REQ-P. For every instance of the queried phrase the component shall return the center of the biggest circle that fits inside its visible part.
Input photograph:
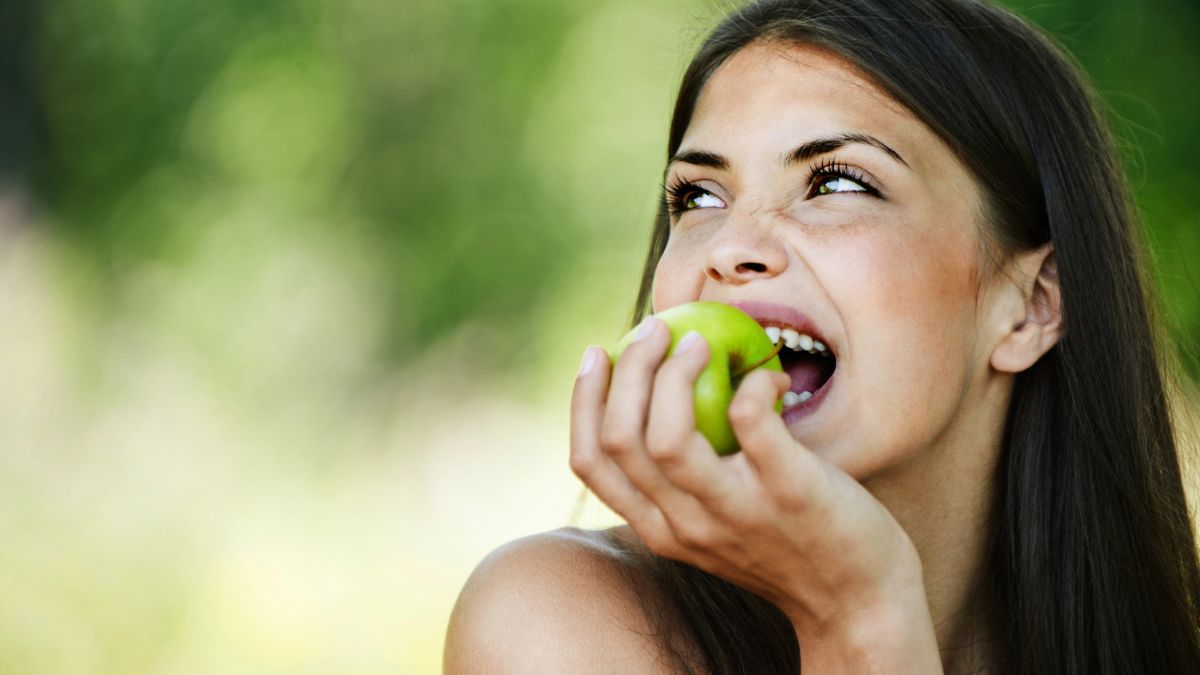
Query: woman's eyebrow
(700, 158)
(813, 148)
(822, 146)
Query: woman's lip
(771, 314)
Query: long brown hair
(1092, 564)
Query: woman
(984, 478)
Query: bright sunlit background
(292, 294)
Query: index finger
(596, 469)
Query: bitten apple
(738, 345)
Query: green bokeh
(457, 142)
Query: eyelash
(677, 192)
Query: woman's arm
(551, 603)
(774, 519)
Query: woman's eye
(702, 200)
(684, 197)
(835, 184)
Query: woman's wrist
(887, 629)
(891, 639)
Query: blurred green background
(293, 292)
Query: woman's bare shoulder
(566, 601)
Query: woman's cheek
(679, 275)
(909, 312)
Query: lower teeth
(791, 398)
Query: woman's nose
(745, 252)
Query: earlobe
(1034, 324)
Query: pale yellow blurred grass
(172, 501)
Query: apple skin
(735, 341)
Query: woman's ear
(1033, 322)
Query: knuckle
(660, 543)
(617, 440)
(693, 535)
(582, 464)
(663, 447)
(742, 412)
(747, 524)
(792, 501)
(796, 500)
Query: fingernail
(590, 357)
(690, 340)
(646, 327)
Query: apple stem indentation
(768, 357)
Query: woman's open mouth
(808, 357)
(809, 362)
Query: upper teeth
(796, 341)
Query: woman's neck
(945, 501)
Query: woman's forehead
(790, 90)
(770, 96)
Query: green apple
(738, 345)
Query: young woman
(984, 478)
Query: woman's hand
(774, 519)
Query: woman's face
(809, 197)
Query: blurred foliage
(406, 128)
(455, 141)
(293, 287)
